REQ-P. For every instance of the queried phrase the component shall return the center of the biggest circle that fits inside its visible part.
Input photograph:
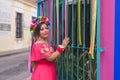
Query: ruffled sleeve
(41, 51)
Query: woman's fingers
(66, 39)
(65, 42)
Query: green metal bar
(84, 27)
(62, 38)
(98, 40)
(72, 39)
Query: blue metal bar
(84, 26)
(72, 39)
(78, 64)
(62, 38)
(66, 64)
(62, 19)
(51, 16)
(90, 37)
(38, 8)
(98, 40)
(66, 35)
(38, 1)
(58, 40)
(90, 58)
(54, 23)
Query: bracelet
(60, 48)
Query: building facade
(16, 15)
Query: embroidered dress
(44, 70)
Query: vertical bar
(78, 62)
(98, 40)
(57, 18)
(62, 19)
(67, 17)
(84, 27)
(41, 10)
(57, 13)
(48, 8)
(54, 24)
(79, 35)
(44, 8)
(66, 64)
(90, 58)
(38, 8)
(51, 16)
(72, 39)
(62, 38)
(48, 15)
(79, 22)
(66, 9)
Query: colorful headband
(36, 21)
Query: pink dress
(44, 70)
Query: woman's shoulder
(40, 43)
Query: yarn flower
(36, 21)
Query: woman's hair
(36, 34)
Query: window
(19, 25)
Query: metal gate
(80, 21)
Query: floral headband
(36, 21)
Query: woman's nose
(46, 29)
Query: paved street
(14, 67)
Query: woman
(43, 55)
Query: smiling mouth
(46, 34)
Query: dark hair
(36, 34)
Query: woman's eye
(46, 28)
(42, 29)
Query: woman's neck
(42, 40)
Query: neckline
(41, 43)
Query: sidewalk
(12, 52)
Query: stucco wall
(107, 39)
(8, 40)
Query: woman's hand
(65, 42)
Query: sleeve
(40, 52)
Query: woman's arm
(33, 65)
(51, 58)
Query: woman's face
(44, 31)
